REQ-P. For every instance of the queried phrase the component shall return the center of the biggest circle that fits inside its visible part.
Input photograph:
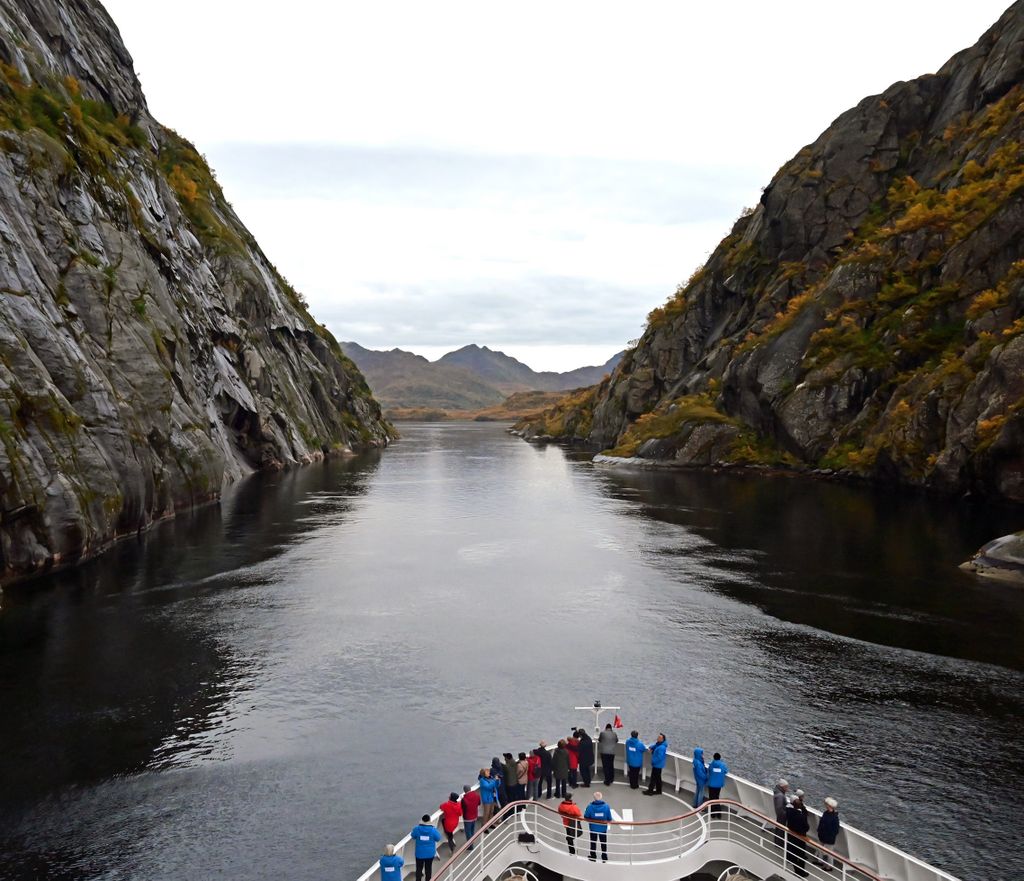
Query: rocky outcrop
(149, 351)
(1002, 559)
(867, 317)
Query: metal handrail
(707, 807)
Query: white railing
(667, 848)
(863, 856)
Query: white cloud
(534, 174)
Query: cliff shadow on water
(885, 569)
(134, 673)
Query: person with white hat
(828, 831)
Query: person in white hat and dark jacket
(828, 832)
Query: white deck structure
(662, 838)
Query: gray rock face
(149, 352)
(867, 317)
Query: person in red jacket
(470, 810)
(451, 813)
(573, 745)
(533, 781)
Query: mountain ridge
(866, 318)
(469, 379)
(150, 353)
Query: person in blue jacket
(659, 755)
(717, 772)
(700, 776)
(391, 865)
(426, 836)
(488, 797)
(598, 809)
(635, 749)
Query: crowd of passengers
(570, 765)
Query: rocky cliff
(149, 351)
(867, 317)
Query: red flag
(618, 722)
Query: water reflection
(111, 669)
(871, 565)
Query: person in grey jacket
(780, 798)
(607, 741)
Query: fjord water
(277, 686)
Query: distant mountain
(469, 379)
(506, 373)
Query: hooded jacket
(573, 745)
(796, 819)
(511, 775)
(598, 810)
(586, 749)
(545, 760)
(426, 838)
(560, 763)
(391, 868)
(571, 813)
(471, 805)
(828, 827)
(700, 770)
(488, 790)
(659, 754)
(635, 749)
(451, 813)
(607, 740)
(716, 774)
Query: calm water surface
(276, 687)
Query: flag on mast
(618, 722)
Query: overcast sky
(532, 176)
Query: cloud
(447, 249)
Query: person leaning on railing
(606, 744)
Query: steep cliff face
(149, 351)
(868, 315)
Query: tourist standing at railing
(571, 815)
(522, 776)
(598, 809)
(545, 768)
(426, 837)
(470, 810)
(511, 772)
(796, 820)
(391, 865)
(635, 749)
(560, 767)
(586, 753)
(828, 831)
(780, 799)
(451, 814)
(533, 776)
(488, 795)
(572, 744)
(498, 775)
(717, 772)
(607, 742)
(700, 777)
(544, 754)
(659, 755)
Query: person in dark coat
(828, 832)
(511, 772)
(545, 768)
(560, 767)
(780, 800)
(498, 773)
(586, 758)
(797, 821)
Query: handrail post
(632, 831)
